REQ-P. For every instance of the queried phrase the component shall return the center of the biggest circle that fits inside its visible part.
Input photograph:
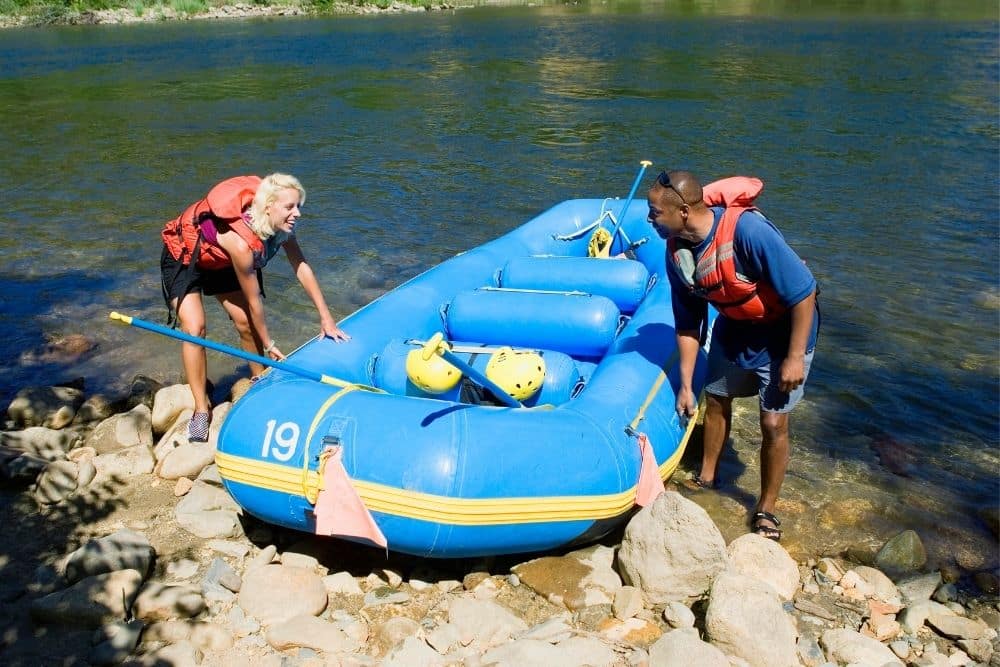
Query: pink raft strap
(650, 484)
(339, 509)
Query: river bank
(122, 540)
(61, 15)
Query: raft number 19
(280, 440)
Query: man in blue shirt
(723, 251)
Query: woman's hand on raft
(331, 330)
(276, 354)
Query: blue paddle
(436, 345)
(643, 165)
(232, 351)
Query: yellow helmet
(433, 374)
(519, 373)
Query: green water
(874, 126)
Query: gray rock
(41, 442)
(342, 583)
(847, 646)
(810, 653)
(945, 593)
(122, 550)
(16, 465)
(412, 651)
(57, 482)
(115, 642)
(237, 550)
(484, 623)
(912, 618)
(188, 459)
(552, 630)
(181, 654)
(445, 636)
(307, 631)
(142, 391)
(241, 624)
(919, 588)
(276, 593)
(185, 568)
(671, 550)
(678, 615)
(91, 602)
(628, 602)
(881, 585)
(685, 648)
(220, 573)
(766, 560)
(956, 627)
(395, 631)
(385, 595)
(980, 650)
(52, 407)
(122, 431)
(208, 512)
(168, 403)
(160, 602)
(124, 463)
(902, 554)
(745, 618)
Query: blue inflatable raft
(449, 474)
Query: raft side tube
(577, 324)
(624, 281)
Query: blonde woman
(218, 247)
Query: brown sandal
(696, 483)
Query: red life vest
(224, 204)
(715, 277)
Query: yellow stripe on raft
(443, 509)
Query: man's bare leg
(774, 456)
(718, 420)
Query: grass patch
(188, 6)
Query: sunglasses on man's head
(664, 180)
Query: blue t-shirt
(762, 255)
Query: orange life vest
(715, 277)
(224, 204)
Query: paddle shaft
(226, 349)
(635, 186)
(481, 378)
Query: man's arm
(793, 367)
(688, 344)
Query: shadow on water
(33, 357)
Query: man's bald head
(682, 187)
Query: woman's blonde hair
(267, 194)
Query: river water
(419, 136)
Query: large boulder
(745, 618)
(671, 550)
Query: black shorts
(180, 279)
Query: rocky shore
(238, 10)
(122, 547)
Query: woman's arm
(306, 277)
(242, 260)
